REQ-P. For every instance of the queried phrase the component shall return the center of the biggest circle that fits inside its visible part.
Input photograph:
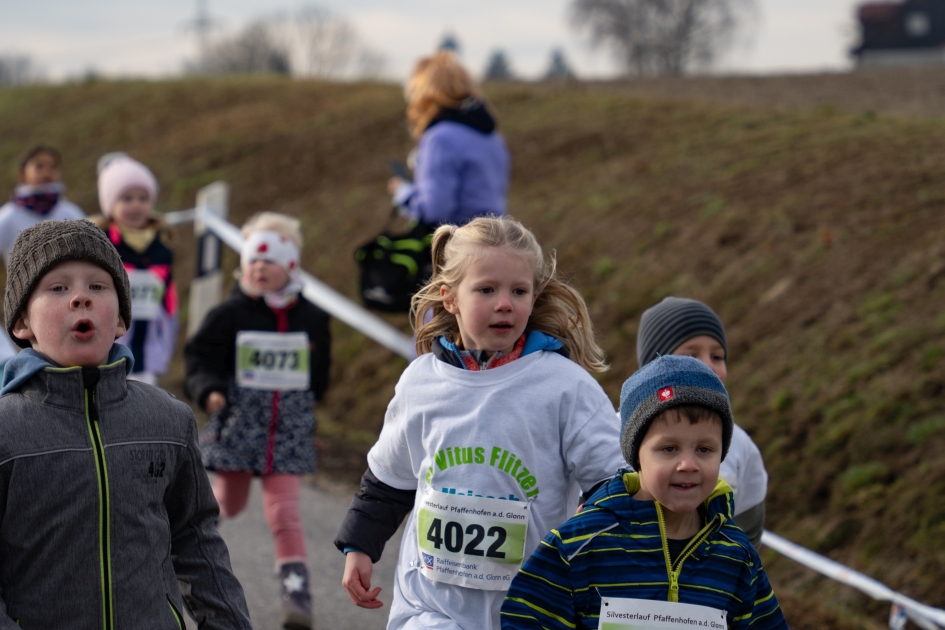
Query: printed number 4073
(451, 536)
(280, 359)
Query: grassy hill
(817, 234)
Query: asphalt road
(251, 553)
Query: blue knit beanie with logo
(671, 323)
(669, 381)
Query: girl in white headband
(257, 365)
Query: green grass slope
(818, 236)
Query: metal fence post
(206, 289)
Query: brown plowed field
(908, 91)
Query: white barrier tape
(180, 216)
(925, 617)
(329, 300)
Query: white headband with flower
(272, 247)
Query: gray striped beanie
(41, 247)
(671, 323)
(668, 382)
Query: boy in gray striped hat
(681, 326)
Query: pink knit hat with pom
(122, 174)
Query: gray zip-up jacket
(106, 514)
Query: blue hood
(28, 362)
(537, 341)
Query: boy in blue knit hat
(658, 545)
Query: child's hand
(357, 580)
(393, 184)
(215, 402)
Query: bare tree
(661, 37)
(325, 45)
(17, 70)
(309, 42)
(329, 44)
(256, 49)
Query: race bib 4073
(269, 360)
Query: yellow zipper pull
(674, 586)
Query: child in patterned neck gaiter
(38, 196)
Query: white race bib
(147, 293)
(471, 541)
(617, 613)
(270, 360)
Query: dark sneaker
(296, 598)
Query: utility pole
(202, 24)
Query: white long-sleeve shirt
(542, 417)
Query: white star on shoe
(294, 583)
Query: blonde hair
(437, 83)
(559, 309)
(282, 224)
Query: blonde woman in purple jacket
(462, 165)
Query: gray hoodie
(106, 513)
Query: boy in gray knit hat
(649, 541)
(690, 328)
(107, 516)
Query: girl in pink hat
(126, 191)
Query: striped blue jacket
(616, 547)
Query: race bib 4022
(471, 541)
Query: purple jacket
(461, 173)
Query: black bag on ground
(394, 266)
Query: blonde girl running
(491, 434)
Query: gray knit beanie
(668, 382)
(671, 323)
(43, 246)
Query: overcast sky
(147, 38)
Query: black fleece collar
(472, 113)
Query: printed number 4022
(451, 536)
